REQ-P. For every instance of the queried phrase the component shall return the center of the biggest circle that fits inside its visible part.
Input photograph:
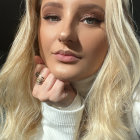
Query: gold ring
(37, 74)
(39, 79)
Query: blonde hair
(112, 90)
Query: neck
(83, 86)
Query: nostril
(65, 40)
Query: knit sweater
(63, 124)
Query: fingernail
(45, 70)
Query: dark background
(10, 13)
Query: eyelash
(85, 20)
(50, 17)
(92, 19)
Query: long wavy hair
(112, 91)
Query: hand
(53, 91)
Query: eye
(91, 20)
(52, 18)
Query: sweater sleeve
(61, 123)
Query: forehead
(74, 3)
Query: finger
(38, 69)
(39, 63)
(49, 82)
(39, 66)
(42, 77)
(56, 91)
(63, 96)
(38, 88)
(42, 91)
(38, 60)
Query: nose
(68, 33)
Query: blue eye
(52, 18)
(90, 21)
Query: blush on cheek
(42, 55)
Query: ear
(38, 60)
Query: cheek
(46, 39)
(95, 47)
(94, 42)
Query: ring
(37, 74)
(40, 79)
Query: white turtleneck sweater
(63, 124)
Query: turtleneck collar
(83, 86)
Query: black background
(10, 13)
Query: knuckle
(60, 83)
(52, 99)
(51, 75)
(36, 92)
(42, 99)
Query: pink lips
(66, 56)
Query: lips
(66, 56)
(67, 53)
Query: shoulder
(136, 95)
(136, 108)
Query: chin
(64, 74)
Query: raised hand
(49, 89)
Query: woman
(72, 73)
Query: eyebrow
(82, 7)
(91, 6)
(52, 4)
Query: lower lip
(66, 58)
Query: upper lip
(67, 53)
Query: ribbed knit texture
(61, 125)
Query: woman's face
(72, 37)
